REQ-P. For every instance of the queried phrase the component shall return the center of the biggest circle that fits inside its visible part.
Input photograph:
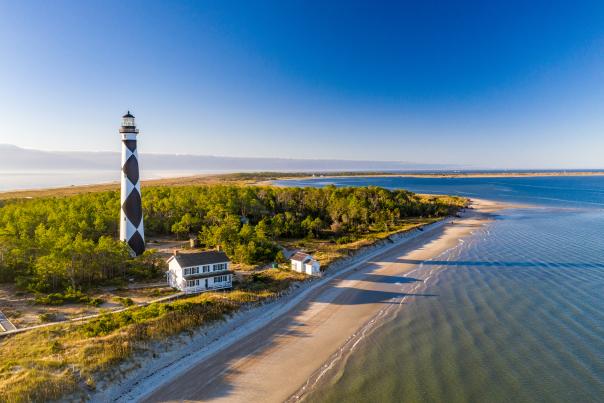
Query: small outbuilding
(305, 263)
(199, 272)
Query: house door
(206, 283)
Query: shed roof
(301, 257)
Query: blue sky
(483, 84)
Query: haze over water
(514, 314)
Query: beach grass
(69, 359)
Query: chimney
(175, 252)
(218, 248)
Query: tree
(50, 243)
(183, 227)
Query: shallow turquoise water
(515, 314)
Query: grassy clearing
(69, 359)
(26, 309)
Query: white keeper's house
(199, 272)
(305, 263)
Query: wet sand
(276, 361)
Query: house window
(205, 268)
(191, 270)
(220, 267)
(193, 283)
(221, 279)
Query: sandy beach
(274, 356)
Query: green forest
(54, 243)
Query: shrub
(47, 317)
(50, 299)
(280, 257)
(346, 239)
(96, 302)
(125, 301)
(70, 296)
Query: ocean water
(515, 312)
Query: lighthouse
(131, 217)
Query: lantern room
(128, 120)
(128, 124)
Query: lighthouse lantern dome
(128, 120)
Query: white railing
(198, 289)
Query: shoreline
(258, 350)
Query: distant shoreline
(511, 174)
(267, 179)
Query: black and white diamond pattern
(130, 168)
(131, 144)
(131, 226)
(137, 243)
(132, 208)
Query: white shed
(305, 263)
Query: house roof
(200, 258)
(301, 257)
